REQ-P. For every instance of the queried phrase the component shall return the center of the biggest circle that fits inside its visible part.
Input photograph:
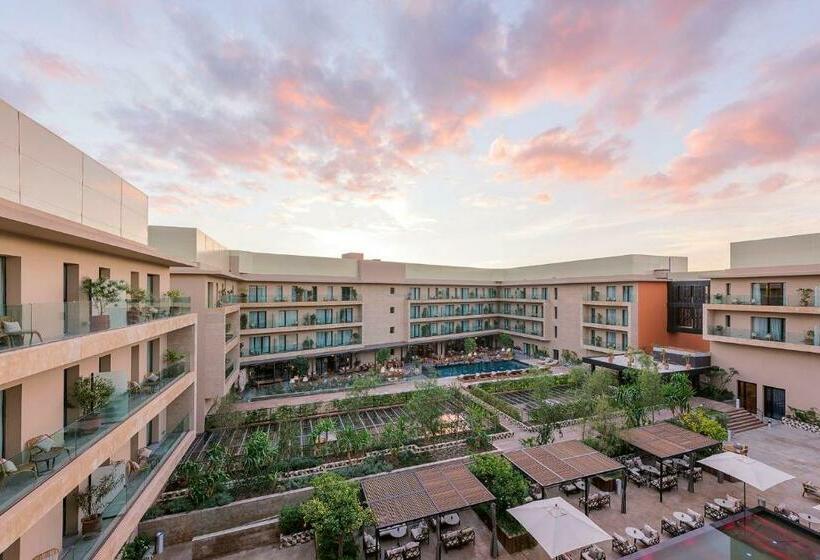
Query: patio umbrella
(751, 471)
(557, 526)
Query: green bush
(291, 520)
(502, 480)
(496, 402)
(699, 421)
(135, 549)
(809, 416)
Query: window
(685, 318)
(392, 330)
(348, 294)
(257, 319)
(392, 290)
(3, 424)
(610, 339)
(287, 318)
(259, 345)
(257, 294)
(135, 280)
(555, 293)
(555, 331)
(555, 312)
(728, 321)
(346, 315)
(624, 317)
(392, 309)
(610, 293)
(104, 274)
(415, 293)
(728, 288)
(769, 328)
(2, 285)
(767, 293)
(153, 286)
(104, 363)
(627, 292)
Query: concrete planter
(286, 541)
(798, 425)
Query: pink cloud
(176, 199)
(558, 151)
(53, 65)
(542, 198)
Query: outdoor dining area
(416, 506)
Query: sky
(462, 132)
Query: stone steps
(740, 420)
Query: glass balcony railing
(809, 337)
(604, 299)
(229, 336)
(119, 501)
(307, 297)
(37, 323)
(35, 466)
(745, 299)
(605, 321)
(229, 369)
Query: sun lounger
(787, 513)
(592, 552)
(697, 519)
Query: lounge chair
(412, 550)
(738, 503)
(394, 553)
(569, 488)
(450, 540)
(622, 546)
(592, 552)
(714, 511)
(665, 483)
(370, 546)
(787, 513)
(810, 489)
(50, 554)
(635, 475)
(466, 536)
(738, 448)
(697, 519)
(651, 536)
(12, 334)
(10, 469)
(421, 532)
(43, 444)
(670, 528)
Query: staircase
(740, 420)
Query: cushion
(153, 378)
(11, 327)
(7, 466)
(44, 444)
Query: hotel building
(65, 219)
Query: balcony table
(682, 517)
(635, 534)
(46, 459)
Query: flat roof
(560, 462)
(664, 440)
(405, 496)
(619, 363)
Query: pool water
(479, 367)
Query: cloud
(542, 198)
(558, 151)
(485, 201)
(53, 65)
(176, 199)
(770, 125)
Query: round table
(682, 517)
(635, 533)
(45, 458)
(809, 518)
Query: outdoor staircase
(741, 420)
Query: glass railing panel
(128, 488)
(37, 323)
(809, 337)
(811, 299)
(37, 463)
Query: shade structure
(560, 462)
(665, 440)
(557, 526)
(751, 471)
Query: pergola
(665, 440)
(416, 494)
(620, 363)
(565, 461)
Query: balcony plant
(102, 293)
(718, 298)
(599, 341)
(90, 395)
(718, 329)
(91, 502)
(307, 344)
(136, 299)
(809, 336)
(175, 296)
(243, 321)
(806, 296)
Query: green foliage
(208, 479)
(321, 430)
(360, 390)
(291, 520)
(569, 357)
(91, 501)
(717, 383)
(479, 422)
(225, 414)
(260, 455)
(470, 345)
(499, 476)
(351, 440)
(630, 399)
(678, 392)
(505, 340)
(650, 385)
(92, 393)
(605, 422)
(382, 355)
(335, 512)
(425, 407)
(172, 356)
(286, 433)
(136, 549)
(699, 421)
(397, 434)
(299, 366)
(496, 402)
(809, 416)
(103, 292)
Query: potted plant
(718, 298)
(91, 503)
(599, 341)
(91, 394)
(307, 343)
(175, 296)
(243, 321)
(356, 338)
(718, 329)
(806, 295)
(136, 297)
(102, 293)
(810, 336)
(172, 358)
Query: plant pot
(132, 316)
(91, 524)
(90, 424)
(100, 323)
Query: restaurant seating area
(596, 500)
(458, 538)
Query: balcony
(40, 323)
(603, 321)
(307, 297)
(130, 489)
(601, 299)
(810, 303)
(296, 347)
(807, 341)
(82, 434)
(229, 369)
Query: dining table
(682, 517)
(635, 534)
(450, 519)
(725, 504)
(651, 470)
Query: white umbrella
(751, 471)
(557, 526)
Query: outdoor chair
(12, 334)
(466, 536)
(738, 503)
(412, 550)
(651, 536)
(592, 552)
(738, 448)
(569, 488)
(622, 546)
(635, 475)
(10, 470)
(370, 546)
(787, 513)
(670, 528)
(394, 553)
(714, 511)
(810, 489)
(450, 540)
(697, 519)
(421, 532)
(665, 483)
(43, 444)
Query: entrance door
(747, 393)
(71, 298)
(774, 402)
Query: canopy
(751, 471)
(557, 526)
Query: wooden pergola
(412, 495)
(566, 461)
(665, 440)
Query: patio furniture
(596, 500)
(622, 546)
(811, 490)
(450, 519)
(634, 533)
(467, 536)
(580, 484)
(714, 511)
(592, 552)
(12, 334)
(728, 506)
(739, 448)
(50, 554)
(787, 513)
(670, 528)
(665, 483)
(396, 532)
(370, 546)
(412, 550)
(635, 476)
(569, 488)
(421, 532)
(651, 470)
(43, 445)
(682, 517)
(458, 538)
(394, 553)
(696, 519)
(10, 470)
(651, 536)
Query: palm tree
(321, 431)
(352, 440)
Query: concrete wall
(41, 170)
(776, 251)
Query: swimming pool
(479, 367)
(757, 535)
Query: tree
(650, 385)
(321, 431)
(504, 482)
(334, 511)
(425, 407)
(359, 391)
(630, 399)
(542, 387)
(206, 480)
(470, 345)
(260, 455)
(397, 434)
(382, 356)
(678, 392)
(505, 340)
(103, 292)
(351, 440)
(287, 432)
(479, 421)
(300, 366)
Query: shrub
(699, 421)
(502, 480)
(291, 520)
(496, 402)
(136, 549)
(809, 416)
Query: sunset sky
(459, 132)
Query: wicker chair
(697, 519)
(592, 552)
(714, 511)
(622, 546)
(651, 536)
(671, 528)
(636, 476)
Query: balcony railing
(229, 369)
(783, 301)
(295, 346)
(605, 321)
(131, 487)
(83, 433)
(37, 323)
(809, 337)
(604, 299)
(229, 336)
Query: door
(71, 299)
(747, 393)
(774, 402)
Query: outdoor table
(579, 484)
(809, 518)
(650, 469)
(397, 532)
(635, 533)
(46, 459)
(725, 504)
(682, 517)
(451, 519)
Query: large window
(259, 345)
(628, 293)
(769, 328)
(346, 315)
(257, 294)
(324, 316)
(287, 318)
(767, 293)
(257, 319)
(611, 293)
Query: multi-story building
(86, 399)
(763, 320)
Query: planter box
(511, 543)
(607, 484)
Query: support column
(623, 488)
(494, 543)
(660, 480)
(438, 532)
(586, 496)
(692, 472)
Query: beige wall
(41, 170)
(776, 251)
